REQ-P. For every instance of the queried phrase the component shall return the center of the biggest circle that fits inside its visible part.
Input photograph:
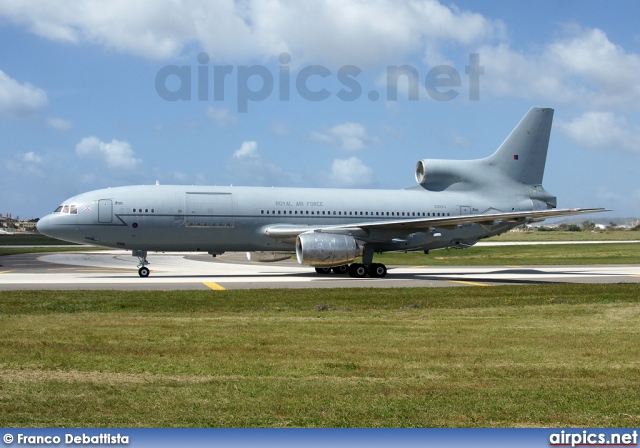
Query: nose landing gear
(143, 270)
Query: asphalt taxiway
(95, 270)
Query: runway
(116, 270)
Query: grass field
(612, 253)
(557, 235)
(30, 239)
(561, 254)
(543, 355)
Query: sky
(338, 94)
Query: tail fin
(523, 154)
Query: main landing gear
(357, 270)
(143, 270)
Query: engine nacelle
(268, 257)
(326, 250)
(440, 172)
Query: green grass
(33, 250)
(30, 239)
(563, 235)
(567, 254)
(545, 355)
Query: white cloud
(117, 154)
(20, 100)
(347, 136)
(459, 141)
(152, 29)
(180, 177)
(603, 130)
(249, 167)
(279, 129)
(247, 149)
(222, 117)
(350, 173)
(583, 68)
(59, 124)
(359, 33)
(605, 194)
(28, 164)
(590, 56)
(362, 33)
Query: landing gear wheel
(143, 271)
(377, 270)
(341, 269)
(357, 270)
(323, 271)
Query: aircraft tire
(377, 270)
(341, 269)
(323, 271)
(143, 272)
(357, 270)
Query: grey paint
(455, 204)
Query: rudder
(523, 154)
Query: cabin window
(73, 209)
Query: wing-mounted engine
(326, 249)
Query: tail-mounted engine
(434, 174)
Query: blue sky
(80, 108)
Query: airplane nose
(44, 225)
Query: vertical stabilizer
(523, 154)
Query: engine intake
(326, 250)
(440, 172)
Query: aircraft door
(105, 211)
(209, 209)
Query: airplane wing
(283, 232)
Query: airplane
(455, 204)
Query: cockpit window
(67, 209)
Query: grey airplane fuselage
(456, 203)
(219, 219)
